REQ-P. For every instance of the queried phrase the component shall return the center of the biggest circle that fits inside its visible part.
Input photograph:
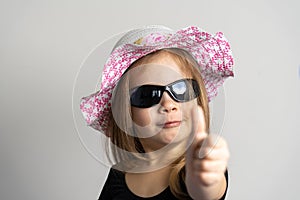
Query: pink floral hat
(212, 52)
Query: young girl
(153, 105)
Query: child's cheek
(141, 116)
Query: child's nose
(167, 104)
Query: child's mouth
(171, 124)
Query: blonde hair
(118, 137)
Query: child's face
(168, 121)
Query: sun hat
(212, 53)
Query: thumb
(198, 133)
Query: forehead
(154, 73)
(160, 69)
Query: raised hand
(206, 162)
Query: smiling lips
(171, 124)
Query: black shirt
(115, 188)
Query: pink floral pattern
(213, 54)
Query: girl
(153, 105)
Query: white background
(43, 43)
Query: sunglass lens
(185, 90)
(146, 96)
(179, 90)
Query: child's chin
(167, 141)
(170, 138)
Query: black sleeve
(114, 186)
(105, 193)
(224, 195)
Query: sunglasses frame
(191, 82)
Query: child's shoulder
(116, 174)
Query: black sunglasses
(146, 96)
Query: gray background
(43, 44)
